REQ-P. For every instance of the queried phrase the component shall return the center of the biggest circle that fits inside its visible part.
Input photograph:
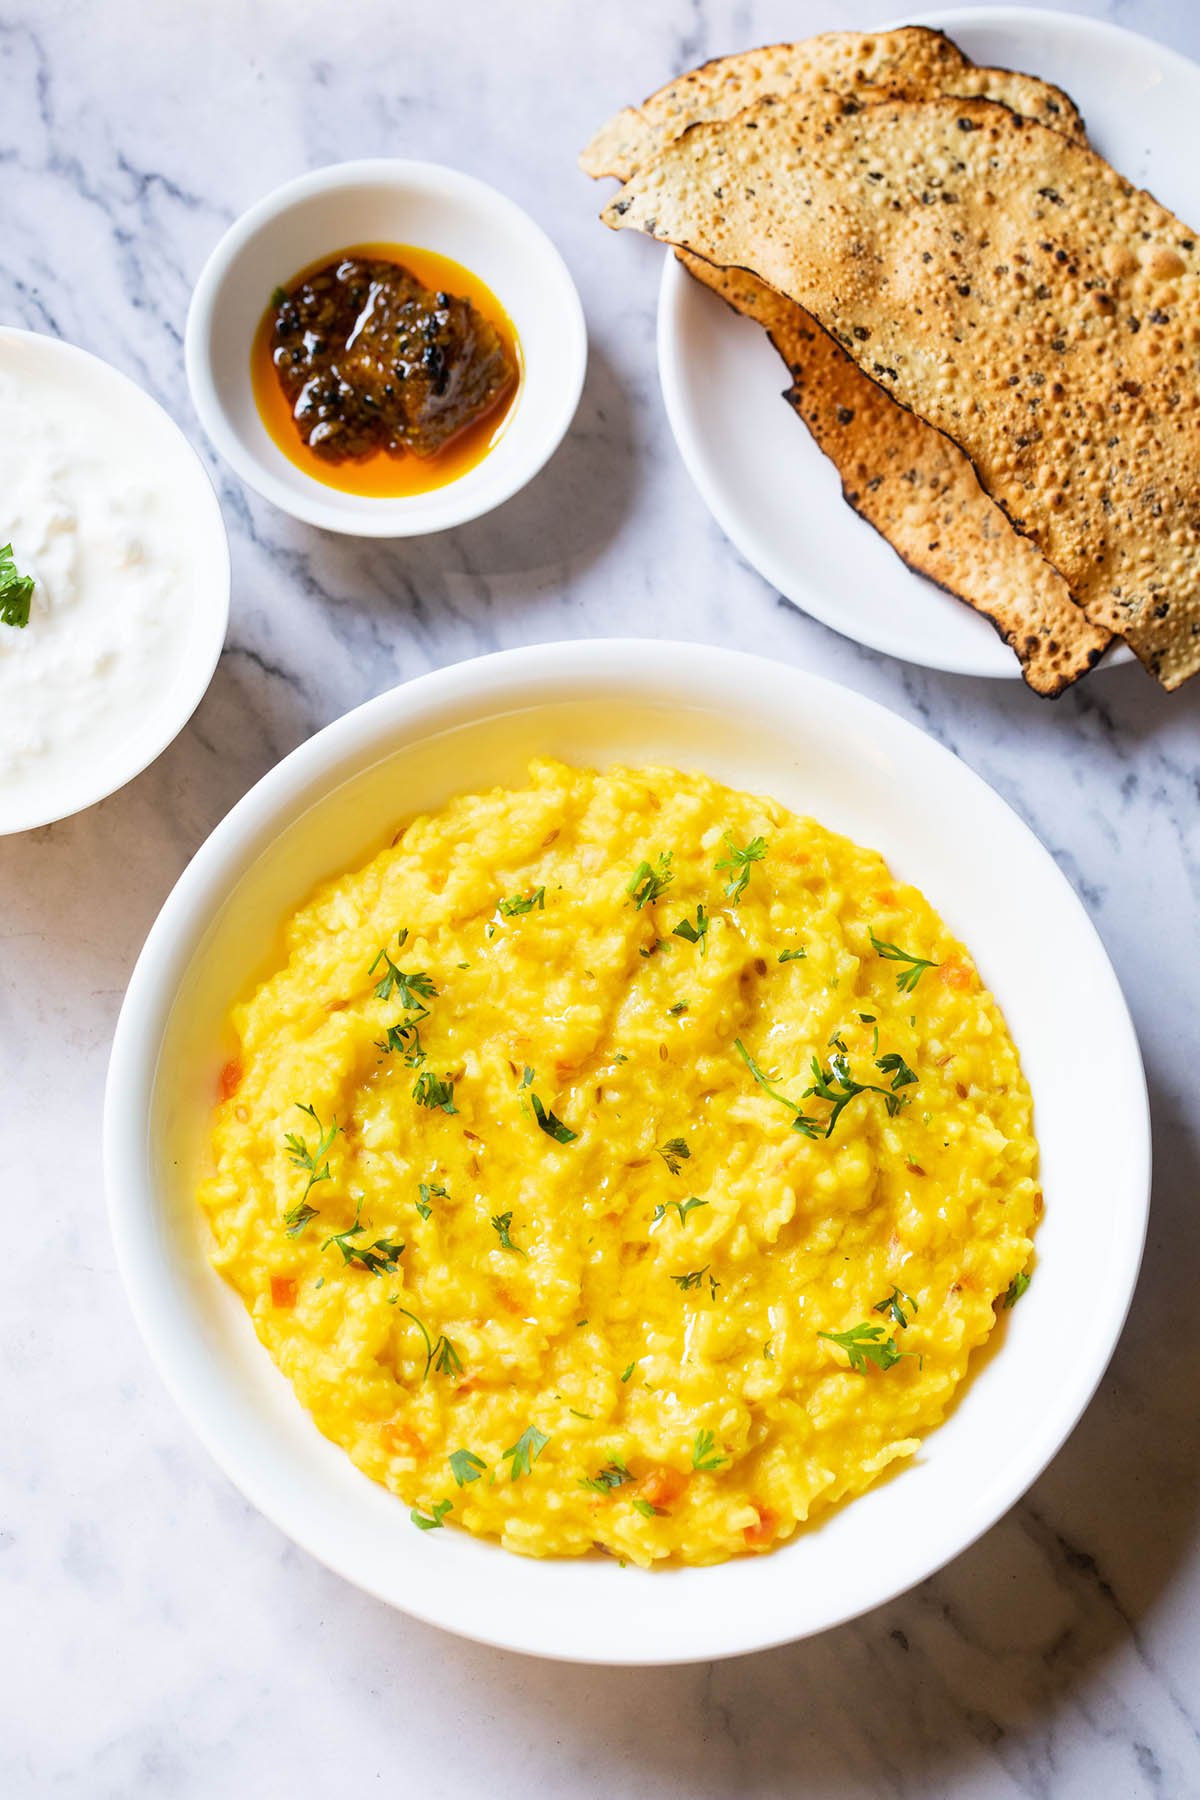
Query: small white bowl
(762, 727)
(398, 202)
(114, 422)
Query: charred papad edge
(1036, 678)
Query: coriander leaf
(894, 1306)
(800, 1120)
(694, 933)
(434, 1091)
(894, 1064)
(837, 1085)
(378, 1258)
(16, 591)
(673, 1152)
(433, 1520)
(648, 884)
(446, 1360)
(465, 1466)
(551, 1124)
(694, 1279)
(679, 1007)
(429, 1191)
(629, 1371)
(647, 1510)
(406, 1039)
(523, 903)
(441, 1356)
(702, 1452)
(298, 1216)
(501, 1224)
(682, 1207)
(395, 980)
(792, 955)
(737, 865)
(1015, 1289)
(314, 1162)
(525, 1452)
(908, 978)
(865, 1344)
(614, 1474)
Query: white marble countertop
(160, 1638)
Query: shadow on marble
(568, 516)
(963, 1675)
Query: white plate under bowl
(762, 727)
(763, 478)
(386, 200)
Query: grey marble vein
(160, 1639)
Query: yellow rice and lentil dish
(622, 1162)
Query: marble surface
(161, 1639)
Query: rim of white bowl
(238, 840)
(401, 516)
(212, 600)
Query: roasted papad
(914, 57)
(1006, 285)
(919, 491)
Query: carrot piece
(661, 1486)
(231, 1078)
(764, 1531)
(398, 1437)
(283, 1290)
(955, 974)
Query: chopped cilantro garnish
(614, 1474)
(430, 1191)
(434, 1091)
(696, 933)
(629, 1371)
(800, 1119)
(865, 1344)
(440, 1356)
(737, 865)
(16, 591)
(837, 1085)
(314, 1162)
(893, 1064)
(647, 1510)
(682, 1207)
(406, 1040)
(525, 1452)
(792, 955)
(908, 978)
(500, 1225)
(413, 990)
(431, 1521)
(550, 1123)
(298, 1216)
(894, 1306)
(1015, 1289)
(702, 1452)
(673, 1152)
(465, 1466)
(523, 903)
(379, 1258)
(694, 1279)
(647, 883)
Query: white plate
(115, 422)
(387, 200)
(762, 727)
(766, 483)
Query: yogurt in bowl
(109, 513)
